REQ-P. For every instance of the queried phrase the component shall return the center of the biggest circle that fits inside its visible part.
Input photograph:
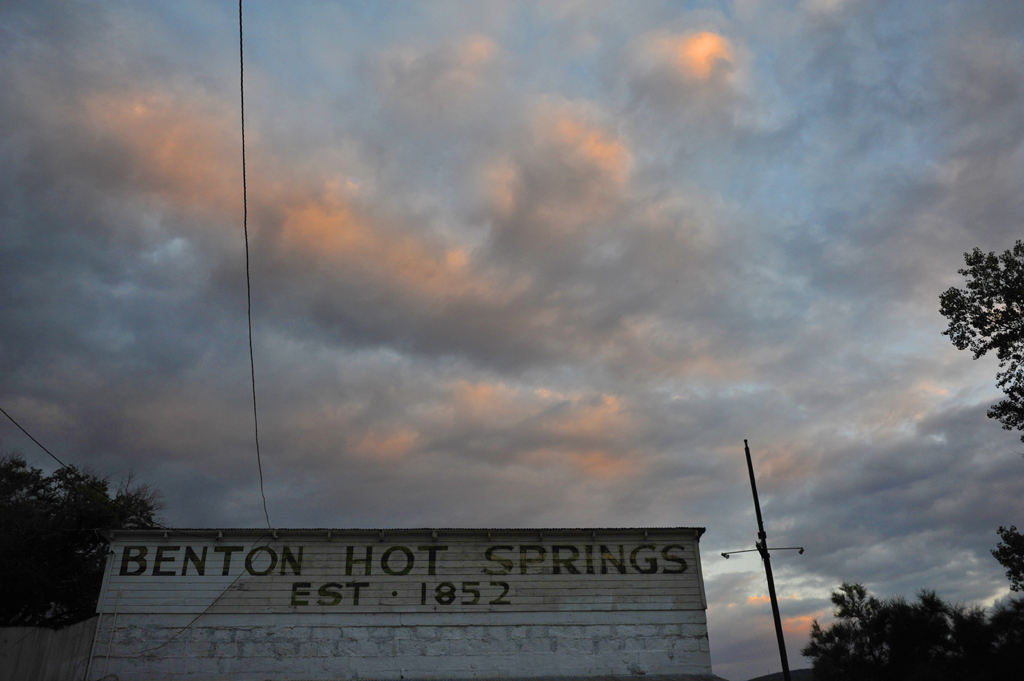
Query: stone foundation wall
(409, 645)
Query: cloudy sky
(527, 264)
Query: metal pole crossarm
(799, 549)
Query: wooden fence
(46, 654)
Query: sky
(521, 264)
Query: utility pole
(762, 548)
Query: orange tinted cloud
(572, 431)
(696, 55)
(701, 53)
(493, 401)
(334, 234)
(568, 171)
(787, 463)
(468, 66)
(482, 395)
(501, 180)
(387, 445)
(590, 463)
(477, 50)
(189, 152)
(490, 404)
(606, 418)
(599, 464)
(761, 600)
(587, 144)
(800, 625)
(582, 417)
(332, 231)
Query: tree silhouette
(988, 314)
(53, 555)
(1010, 554)
(893, 639)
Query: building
(394, 604)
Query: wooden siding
(660, 570)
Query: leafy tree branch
(53, 558)
(987, 315)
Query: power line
(248, 289)
(11, 418)
(117, 501)
(248, 285)
(205, 610)
(83, 478)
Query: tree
(988, 314)
(892, 639)
(53, 555)
(1010, 554)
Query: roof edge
(380, 533)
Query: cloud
(700, 73)
(185, 147)
(569, 173)
(537, 267)
(331, 234)
(442, 82)
(557, 197)
(693, 57)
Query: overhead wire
(118, 502)
(206, 609)
(11, 419)
(84, 479)
(248, 288)
(248, 284)
(252, 363)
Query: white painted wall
(162, 624)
